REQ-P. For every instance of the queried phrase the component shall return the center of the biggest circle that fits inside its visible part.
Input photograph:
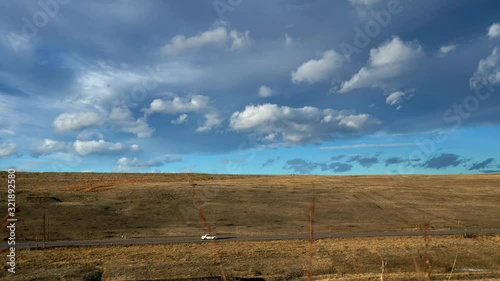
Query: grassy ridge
(100, 206)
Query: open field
(333, 259)
(88, 206)
(98, 206)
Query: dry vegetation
(100, 206)
(333, 259)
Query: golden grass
(160, 205)
(333, 259)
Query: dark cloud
(270, 161)
(481, 165)
(337, 157)
(394, 160)
(398, 160)
(365, 161)
(172, 159)
(490, 171)
(300, 166)
(336, 167)
(443, 161)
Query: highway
(144, 241)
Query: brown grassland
(99, 206)
(333, 259)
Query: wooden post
(43, 233)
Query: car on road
(208, 237)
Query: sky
(320, 87)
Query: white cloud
(444, 50)
(48, 146)
(240, 40)
(212, 120)
(179, 43)
(7, 149)
(488, 71)
(390, 60)
(217, 36)
(181, 119)
(103, 86)
(120, 113)
(123, 118)
(6, 131)
(133, 164)
(265, 91)
(298, 125)
(494, 30)
(395, 98)
(68, 122)
(316, 70)
(113, 92)
(394, 52)
(288, 40)
(90, 135)
(98, 147)
(354, 121)
(195, 103)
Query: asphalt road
(142, 241)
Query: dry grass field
(99, 206)
(333, 259)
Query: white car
(208, 237)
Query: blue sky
(251, 87)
